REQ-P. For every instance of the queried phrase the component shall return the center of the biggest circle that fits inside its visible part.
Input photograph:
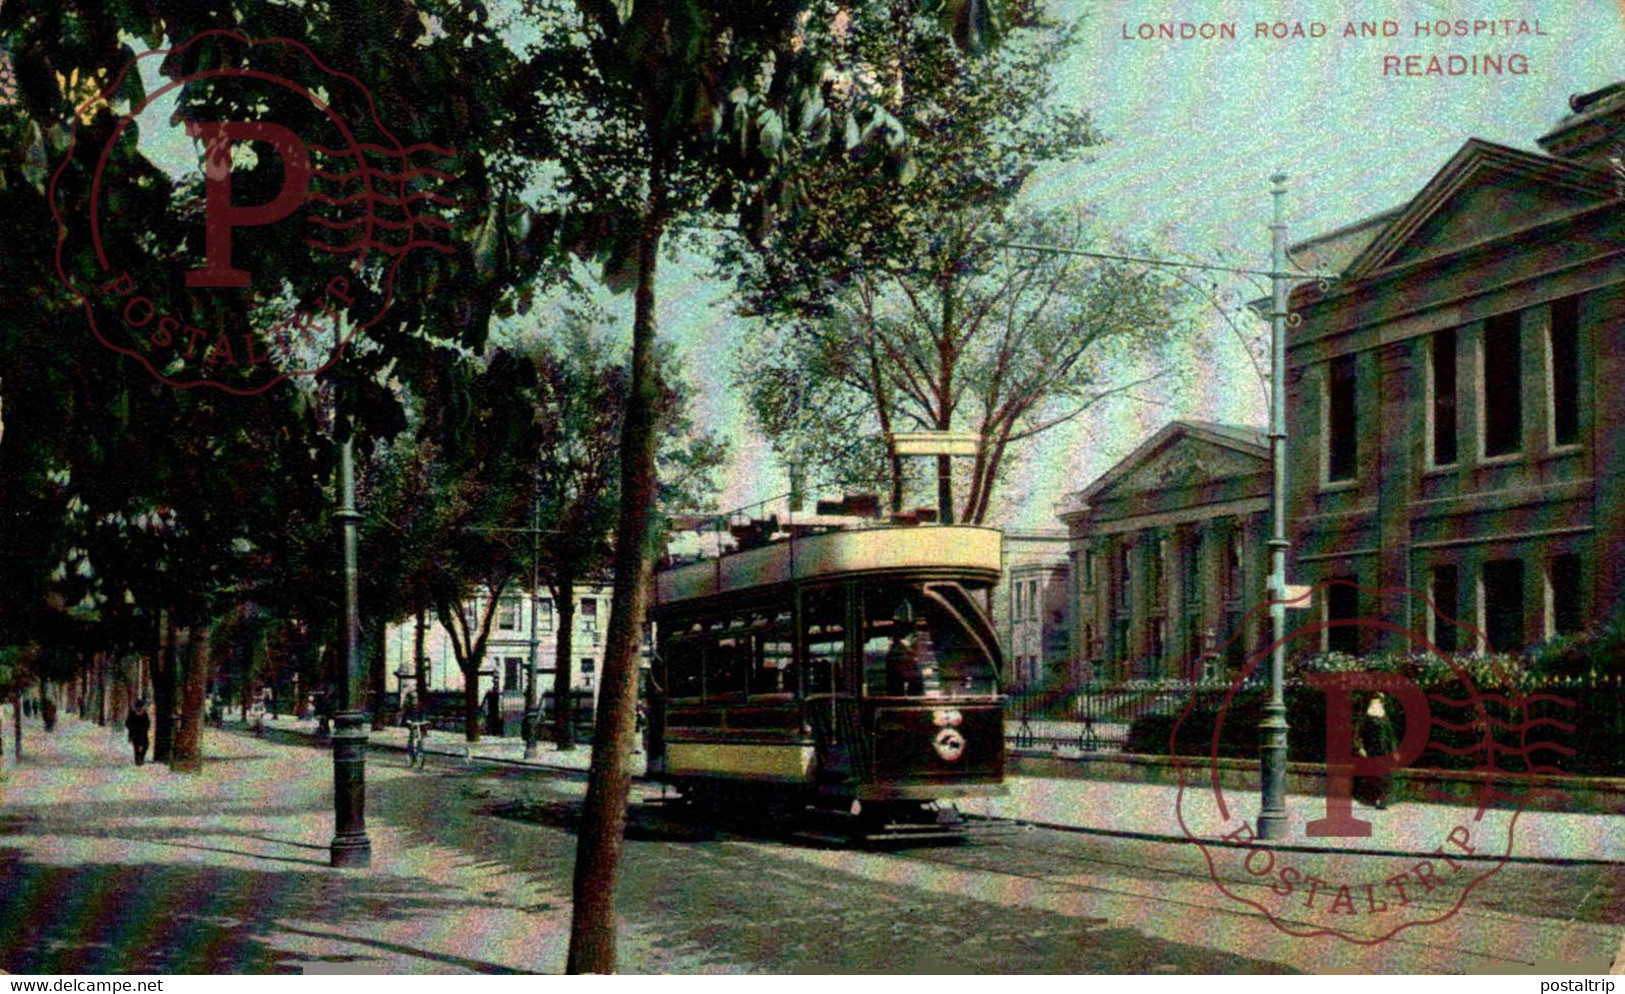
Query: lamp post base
(530, 725)
(1272, 815)
(350, 846)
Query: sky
(1197, 128)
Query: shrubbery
(1584, 669)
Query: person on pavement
(138, 725)
(1376, 737)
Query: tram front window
(914, 646)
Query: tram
(846, 669)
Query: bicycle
(417, 757)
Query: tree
(975, 335)
(482, 476)
(896, 313)
(670, 113)
(583, 396)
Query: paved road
(108, 868)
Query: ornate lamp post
(1272, 817)
(533, 695)
(350, 846)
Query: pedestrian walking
(1375, 737)
(138, 725)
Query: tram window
(914, 645)
(876, 645)
(773, 674)
(898, 660)
(726, 663)
(826, 644)
(683, 667)
(824, 615)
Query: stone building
(1031, 610)
(1451, 430)
(1168, 548)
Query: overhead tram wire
(1170, 263)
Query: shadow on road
(159, 918)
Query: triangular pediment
(1483, 193)
(1180, 456)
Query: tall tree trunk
(163, 690)
(47, 706)
(564, 595)
(187, 754)
(17, 725)
(603, 816)
(472, 713)
(421, 661)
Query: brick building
(1451, 425)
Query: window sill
(1333, 486)
(1569, 449)
(1441, 470)
(1504, 459)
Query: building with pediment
(1451, 434)
(1168, 555)
(1451, 430)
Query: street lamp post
(350, 846)
(533, 695)
(1272, 816)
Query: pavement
(105, 868)
(1166, 812)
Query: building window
(586, 664)
(1503, 386)
(589, 614)
(1235, 643)
(1125, 575)
(1563, 604)
(1443, 363)
(1032, 599)
(1501, 591)
(513, 668)
(1565, 361)
(1088, 569)
(544, 614)
(1157, 637)
(1342, 603)
(508, 615)
(1342, 442)
(1015, 612)
(1088, 642)
(1443, 591)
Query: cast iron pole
(533, 694)
(1272, 818)
(350, 845)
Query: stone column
(1401, 452)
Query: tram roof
(967, 553)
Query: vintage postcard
(810, 487)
